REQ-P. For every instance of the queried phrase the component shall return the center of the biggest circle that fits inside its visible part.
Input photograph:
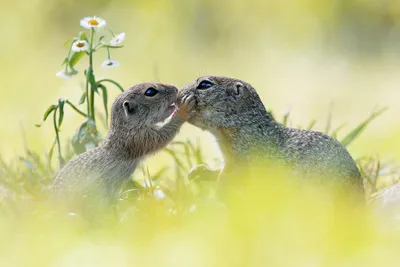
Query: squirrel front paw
(186, 107)
(203, 173)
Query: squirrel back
(233, 112)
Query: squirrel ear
(237, 89)
(129, 107)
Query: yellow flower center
(80, 44)
(93, 22)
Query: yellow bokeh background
(309, 56)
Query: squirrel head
(143, 104)
(223, 102)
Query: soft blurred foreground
(272, 221)
(164, 219)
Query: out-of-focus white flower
(158, 194)
(93, 22)
(80, 45)
(110, 63)
(64, 75)
(118, 39)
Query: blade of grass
(349, 138)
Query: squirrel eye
(151, 92)
(204, 84)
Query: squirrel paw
(186, 107)
(203, 173)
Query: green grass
(163, 219)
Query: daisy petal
(110, 63)
(118, 39)
(64, 75)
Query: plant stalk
(60, 158)
(90, 72)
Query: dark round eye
(204, 84)
(151, 92)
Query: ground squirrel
(133, 135)
(233, 112)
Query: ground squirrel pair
(133, 135)
(229, 108)
(233, 112)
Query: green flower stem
(97, 46)
(113, 82)
(87, 92)
(90, 72)
(111, 32)
(108, 53)
(92, 115)
(91, 47)
(60, 158)
(68, 57)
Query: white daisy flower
(118, 39)
(64, 75)
(110, 63)
(80, 45)
(93, 22)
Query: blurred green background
(311, 56)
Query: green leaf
(48, 111)
(159, 173)
(271, 113)
(101, 38)
(61, 103)
(75, 108)
(197, 151)
(357, 131)
(83, 36)
(87, 136)
(311, 124)
(82, 99)
(52, 150)
(137, 185)
(75, 58)
(66, 43)
(65, 61)
(92, 79)
(28, 164)
(328, 123)
(113, 47)
(78, 142)
(105, 100)
(186, 152)
(285, 118)
(336, 131)
(179, 163)
(113, 82)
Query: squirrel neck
(246, 139)
(120, 142)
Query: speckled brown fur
(233, 112)
(133, 135)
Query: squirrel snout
(175, 89)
